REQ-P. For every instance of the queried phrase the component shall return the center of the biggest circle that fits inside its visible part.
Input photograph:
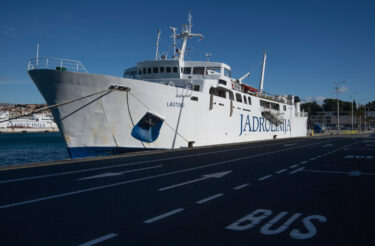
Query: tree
(311, 108)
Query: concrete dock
(305, 191)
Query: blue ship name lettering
(260, 124)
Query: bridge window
(144, 71)
(162, 69)
(149, 70)
(231, 96)
(186, 70)
(244, 99)
(249, 100)
(217, 92)
(213, 71)
(238, 97)
(140, 71)
(284, 107)
(168, 69)
(196, 88)
(155, 70)
(223, 82)
(198, 70)
(175, 70)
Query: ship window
(155, 70)
(244, 99)
(140, 71)
(223, 82)
(218, 93)
(186, 70)
(284, 107)
(227, 72)
(231, 97)
(198, 70)
(196, 88)
(168, 69)
(175, 69)
(249, 100)
(213, 71)
(275, 106)
(238, 97)
(149, 70)
(144, 70)
(162, 69)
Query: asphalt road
(305, 191)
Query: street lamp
(337, 83)
(352, 97)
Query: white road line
(241, 186)
(293, 166)
(319, 156)
(281, 171)
(209, 198)
(327, 145)
(147, 178)
(290, 144)
(349, 157)
(304, 162)
(157, 160)
(313, 159)
(105, 175)
(162, 216)
(265, 177)
(99, 239)
(297, 170)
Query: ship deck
(314, 191)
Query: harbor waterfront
(21, 148)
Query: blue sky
(310, 44)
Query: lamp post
(352, 97)
(337, 83)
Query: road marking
(304, 162)
(289, 144)
(281, 171)
(162, 159)
(297, 170)
(241, 186)
(265, 177)
(162, 216)
(352, 173)
(313, 159)
(319, 156)
(293, 166)
(349, 156)
(105, 175)
(346, 149)
(327, 145)
(99, 239)
(149, 177)
(208, 176)
(209, 198)
(368, 157)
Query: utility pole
(352, 97)
(337, 83)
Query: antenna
(37, 54)
(174, 41)
(208, 55)
(189, 21)
(157, 45)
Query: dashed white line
(313, 159)
(293, 166)
(241, 186)
(162, 216)
(281, 171)
(297, 170)
(99, 239)
(209, 198)
(304, 162)
(349, 157)
(265, 177)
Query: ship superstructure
(161, 104)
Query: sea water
(21, 148)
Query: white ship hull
(104, 123)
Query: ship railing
(56, 64)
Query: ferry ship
(35, 121)
(165, 103)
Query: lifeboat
(248, 88)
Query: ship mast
(184, 35)
(262, 74)
(157, 46)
